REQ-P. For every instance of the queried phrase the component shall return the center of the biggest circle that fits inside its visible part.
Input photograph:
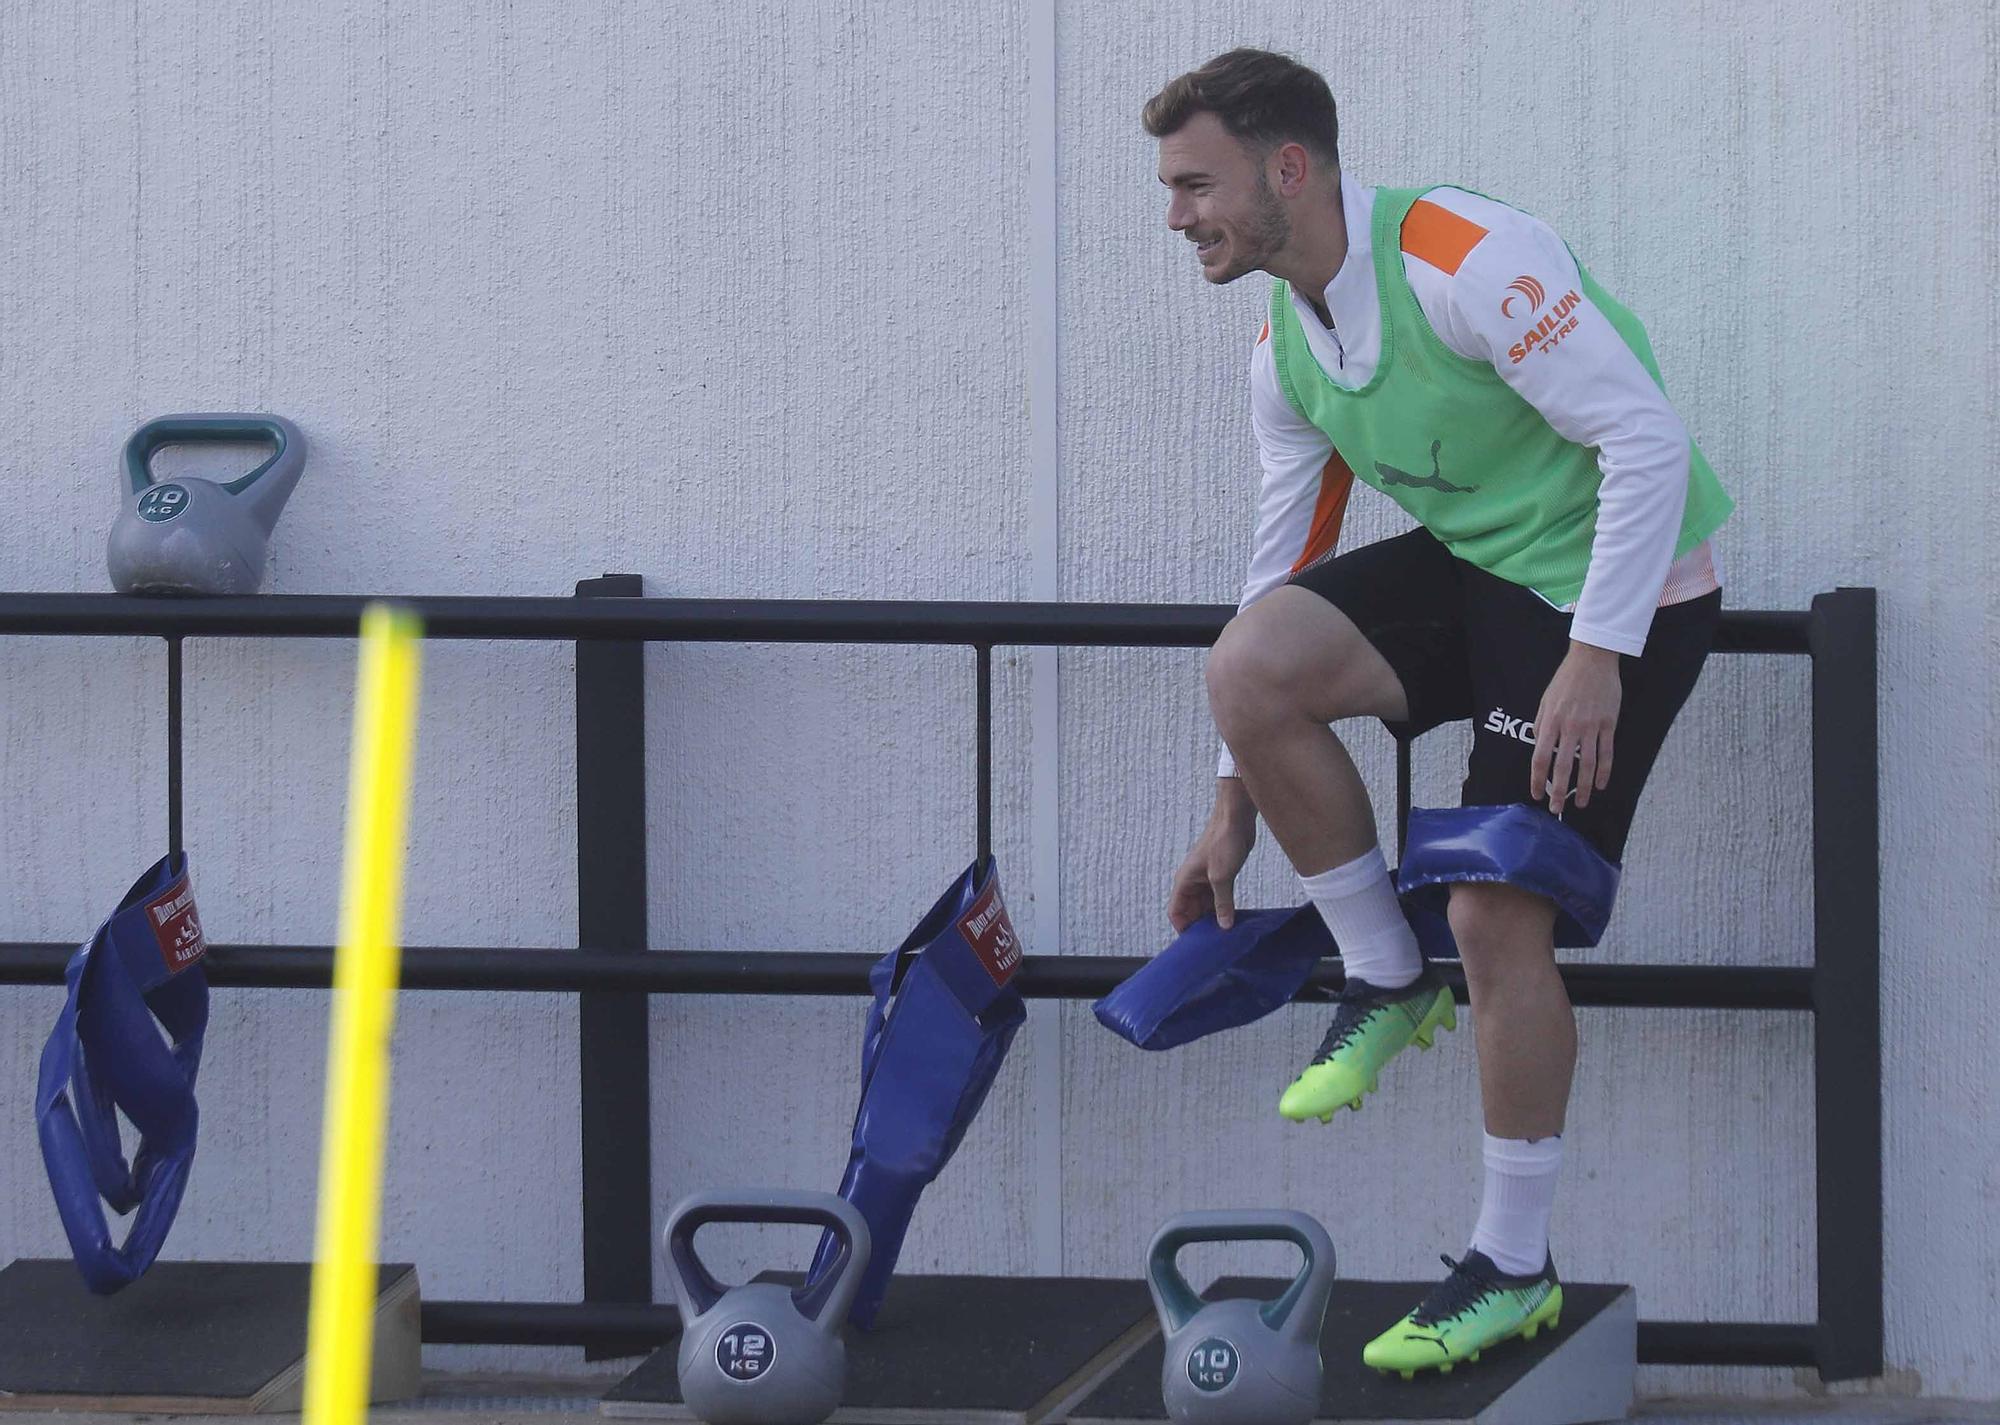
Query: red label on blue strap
(172, 918)
(991, 935)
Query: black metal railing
(613, 970)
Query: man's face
(1222, 200)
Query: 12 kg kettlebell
(763, 1353)
(194, 536)
(1242, 1362)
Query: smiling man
(1559, 591)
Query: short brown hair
(1262, 98)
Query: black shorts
(1469, 645)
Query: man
(1560, 591)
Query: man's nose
(1179, 215)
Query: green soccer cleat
(1476, 1307)
(1370, 1027)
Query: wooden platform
(1582, 1372)
(958, 1351)
(187, 1338)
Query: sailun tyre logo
(1524, 287)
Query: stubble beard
(1264, 236)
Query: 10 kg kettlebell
(194, 536)
(1242, 1362)
(764, 1353)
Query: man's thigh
(1405, 597)
(1515, 643)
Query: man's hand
(1573, 727)
(1206, 880)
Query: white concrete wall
(752, 300)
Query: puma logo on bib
(1433, 481)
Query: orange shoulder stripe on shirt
(1336, 483)
(1439, 236)
(1264, 335)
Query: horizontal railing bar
(1598, 986)
(814, 973)
(676, 620)
(1763, 631)
(1727, 1343)
(708, 620)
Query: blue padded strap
(1210, 979)
(136, 976)
(966, 940)
(1519, 845)
(945, 1011)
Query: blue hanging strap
(944, 1014)
(138, 975)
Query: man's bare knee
(1249, 678)
(1294, 656)
(1499, 927)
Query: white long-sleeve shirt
(1479, 296)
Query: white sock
(1514, 1209)
(1358, 904)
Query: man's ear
(1292, 166)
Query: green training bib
(1452, 443)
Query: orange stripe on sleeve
(1439, 236)
(1264, 335)
(1336, 483)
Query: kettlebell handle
(824, 1299)
(1178, 1302)
(211, 430)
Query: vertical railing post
(985, 750)
(1847, 983)
(612, 1026)
(174, 763)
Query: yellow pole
(340, 1328)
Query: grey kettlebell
(193, 536)
(763, 1353)
(1242, 1362)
